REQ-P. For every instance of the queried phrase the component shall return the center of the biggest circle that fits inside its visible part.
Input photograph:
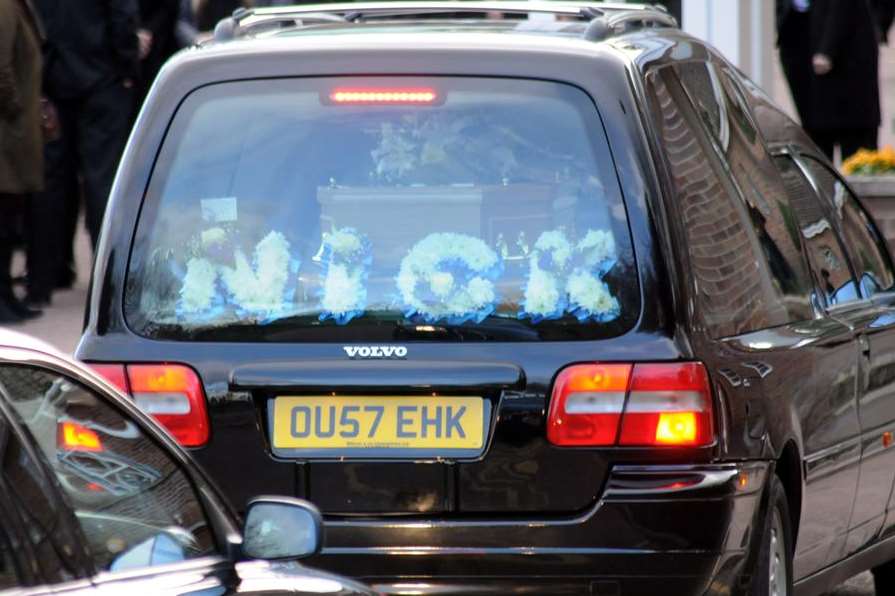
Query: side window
(761, 190)
(825, 253)
(870, 254)
(30, 498)
(735, 289)
(11, 575)
(702, 87)
(135, 506)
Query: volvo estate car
(541, 298)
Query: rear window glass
(337, 209)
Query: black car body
(749, 299)
(96, 499)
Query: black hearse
(529, 298)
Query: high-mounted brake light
(644, 405)
(77, 437)
(383, 96)
(170, 393)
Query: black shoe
(7, 316)
(21, 309)
(37, 301)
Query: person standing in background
(91, 69)
(830, 55)
(209, 12)
(21, 136)
(158, 38)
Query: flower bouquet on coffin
(347, 257)
(449, 277)
(220, 276)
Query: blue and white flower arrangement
(449, 277)
(199, 286)
(589, 296)
(545, 296)
(347, 256)
(259, 287)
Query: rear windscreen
(383, 208)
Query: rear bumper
(656, 530)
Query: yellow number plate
(365, 424)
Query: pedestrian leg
(11, 210)
(103, 126)
(45, 213)
(825, 140)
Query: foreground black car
(96, 499)
(525, 304)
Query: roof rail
(605, 26)
(606, 18)
(233, 27)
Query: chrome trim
(682, 479)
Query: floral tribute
(568, 278)
(347, 256)
(448, 276)
(259, 287)
(545, 296)
(589, 297)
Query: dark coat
(212, 11)
(21, 137)
(159, 17)
(847, 97)
(90, 43)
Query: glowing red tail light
(113, 373)
(419, 95)
(170, 393)
(587, 404)
(669, 404)
(639, 405)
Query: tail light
(636, 405)
(587, 404)
(170, 393)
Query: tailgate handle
(333, 375)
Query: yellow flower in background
(870, 163)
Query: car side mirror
(281, 528)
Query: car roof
(14, 339)
(592, 20)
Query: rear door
(873, 320)
(828, 414)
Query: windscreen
(383, 208)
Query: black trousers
(12, 210)
(94, 131)
(848, 139)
